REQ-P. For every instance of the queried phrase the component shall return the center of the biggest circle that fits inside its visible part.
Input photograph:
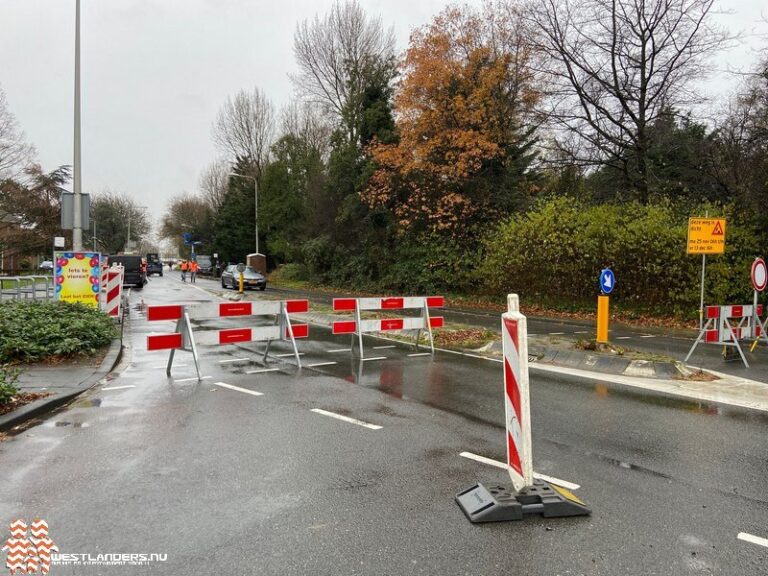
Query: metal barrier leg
(359, 321)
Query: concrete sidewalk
(64, 381)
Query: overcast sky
(156, 71)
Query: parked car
(230, 278)
(135, 270)
(154, 264)
(46, 265)
(205, 264)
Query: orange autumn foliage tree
(464, 114)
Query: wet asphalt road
(669, 343)
(223, 481)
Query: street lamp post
(77, 224)
(255, 204)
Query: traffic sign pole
(759, 276)
(602, 318)
(607, 283)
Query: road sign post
(705, 236)
(607, 284)
(759, 275)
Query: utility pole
(77, 229)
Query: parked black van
(135, 270)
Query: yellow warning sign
(706, 236)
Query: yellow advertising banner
(706, 236)
(77, 276)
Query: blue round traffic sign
(607, 280)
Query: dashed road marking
(752, 539)
(288, 354)
(582, 332)
(374, 358)
(421, 354)
(502, 465)
(623, 337)
(321, 364)
(556, 333)
(193, 378)
(346, 419)
(648, 336)
(383, 347)
(234, 360)
(262, 370)
(116, 387)
(238, 389)
(336, 351)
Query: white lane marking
(262, 370)
(582, 332)
(288, 354)
(234, 360)
(340, 350)
(421, 354)
(346, 419)
(383, 347)
(556, 333)
(237, 388)
(116, 387)
(321, 364)
(502, 465)
(753, 539)
(558, 481)
(648, 336)
(193, 378)
(374, 358)
(623, 337)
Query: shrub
(554, 253)
(8, 377)
(33, 331)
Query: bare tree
(305, 121)
(214, 181)
(15, 153)
(617, 65)
(244, 127)
(335, 53)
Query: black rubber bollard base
(501, 504)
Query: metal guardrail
(27, 287)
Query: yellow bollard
(602, 319)
(242, 283)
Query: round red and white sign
(759, 274)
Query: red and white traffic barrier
(112, 291)
(358, 326)
(517, 403)
(728, 325)
(185, 338)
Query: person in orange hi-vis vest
(193, 268)
(184, 267)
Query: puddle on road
(694, 406)
(88, 403)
